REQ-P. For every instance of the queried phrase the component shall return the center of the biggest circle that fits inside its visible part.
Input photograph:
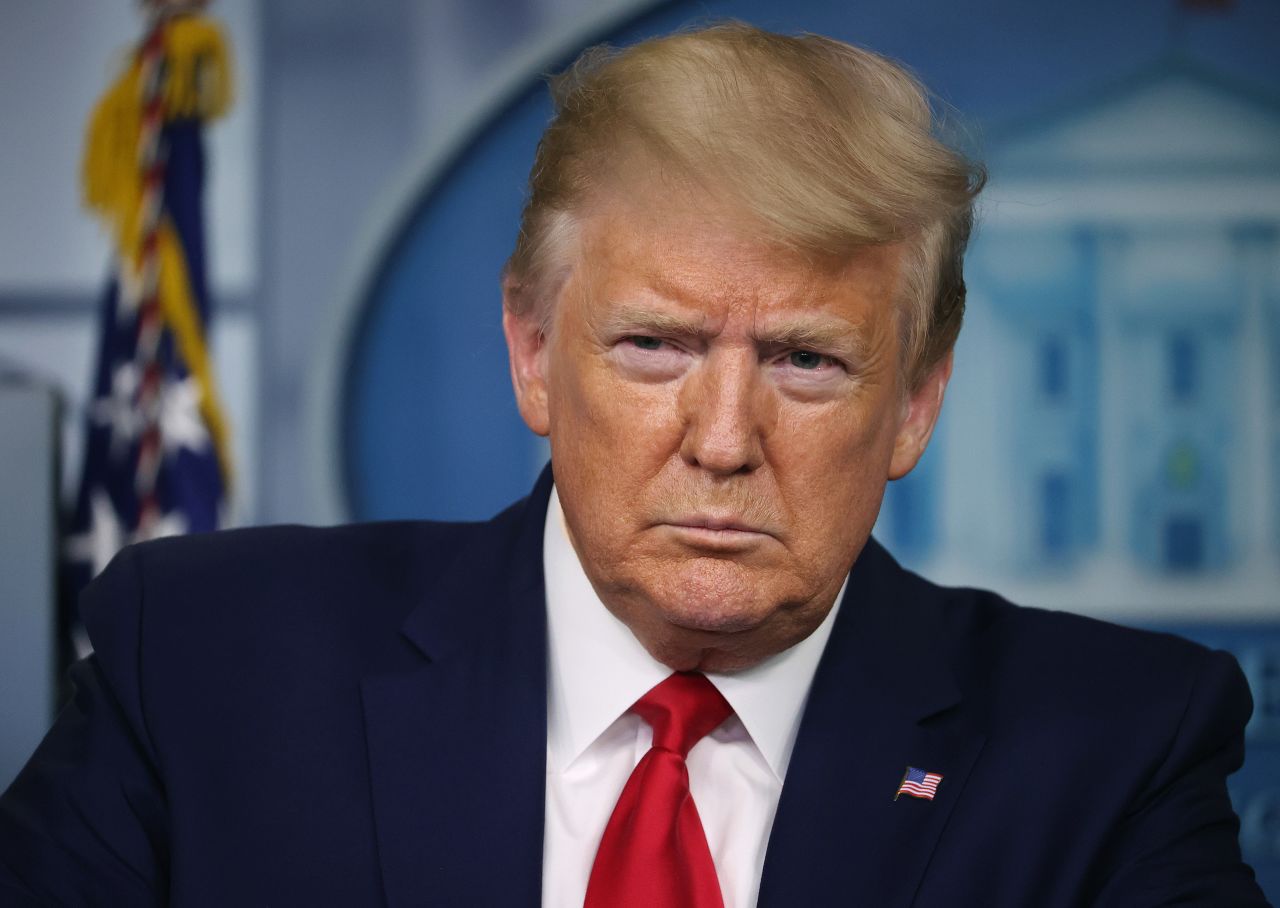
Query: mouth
(719, 533)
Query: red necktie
(654, 853)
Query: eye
(646, 358)
(645, 343)
(807, 360)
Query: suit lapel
(884, 697)
(455, 716)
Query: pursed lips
(713, 526)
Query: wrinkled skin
(724, 416)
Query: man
(731, 308)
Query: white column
(1113, 418)
(1252, 493)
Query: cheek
(832, 468)
(829, 443)
(611, 426)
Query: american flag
(155, 461)
(919, 784)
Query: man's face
(723, 417)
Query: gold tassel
(198, 84)
(199, 79)
(110, 173)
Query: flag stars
(104, 536)
(181, 425)
(118, 411)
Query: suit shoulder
(1020, 657)
(989, 637)
(299, 551)
(263, 621)
(1074, 637)
(274, 577)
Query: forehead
(689, 254)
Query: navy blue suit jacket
(357, 716)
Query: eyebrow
(632, 319)
(826, 334)
(819, 336)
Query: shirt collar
(598, 669)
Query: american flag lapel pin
(918, 783)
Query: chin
(715, 649)
(714, 596)
(722, 621)
(717, 618)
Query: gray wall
(27, 544)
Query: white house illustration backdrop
(1111, 441)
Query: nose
(722, 414)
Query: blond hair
(827, 146)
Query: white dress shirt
(596, 671)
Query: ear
(923, 407)
(526, 351)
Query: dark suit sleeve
(1178, 845)
(85, 822)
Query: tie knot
(682, 710)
